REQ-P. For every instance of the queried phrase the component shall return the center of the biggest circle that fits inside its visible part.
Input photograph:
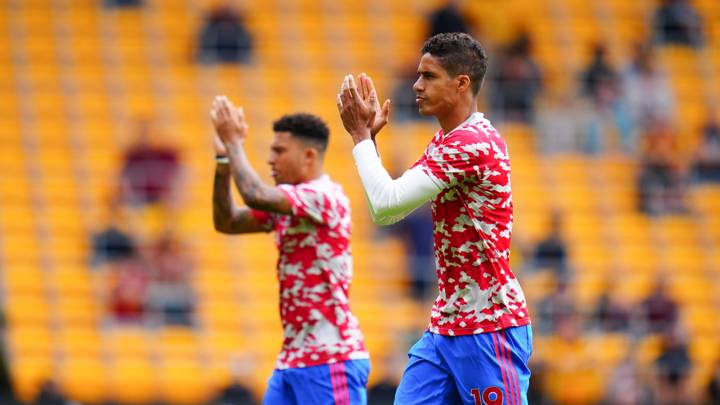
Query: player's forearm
(390, 200)
(224, 208)
(253, 191)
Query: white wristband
(222, 160)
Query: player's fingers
(346, 97)
(225, 108)
(339, 104)
(362, 86)
(226, 103)
(353, 89)
(386, 109)
(369, 83)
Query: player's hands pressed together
(219, 146)
(229, 121)
(358, 115)
(365, 88)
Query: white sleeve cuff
(390, 200)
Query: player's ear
(310, 153)
(463, 83)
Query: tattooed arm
(254, 192)
(228, 217)
(231, 129)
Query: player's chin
(425, 111)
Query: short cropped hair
(308, 127)
(459, 54)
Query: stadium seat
(84, 379)
(133, 380)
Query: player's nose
(418, 86)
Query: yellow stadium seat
(28, 310)
(176, 342)
(133, 380)
(698, 319)
(78, 310)
(84, 379)
(74, 341)
(647, 350)
(128, 342)
(183, 381)
(223, 344)
(30, 340)
(23, 280)
(28, 373)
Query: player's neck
(456, 117)
(313, 174)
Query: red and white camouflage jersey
(472, 219)
(314, 272)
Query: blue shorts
(483, 369)
(341, 383)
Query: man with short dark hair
(323, 358)
(478, 343)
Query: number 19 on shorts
(490, 396)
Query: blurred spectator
(607, 118)
(598, 72)
(611, 315)
(553, 309)
(111, 244)
(713, 387)
(626, 386)
(517, 81)
(672, 369)
(707, 157)
(662, 180)
(677, 22)
(647, 90)
(560, 122)
(7, 396)
(416, 233)
(123, 3)
(447, 18)
(659, 311)
(50, 394)
(129, 284)
(150, 172)
(237, 392)
(608, 124)
(537, 394)
(224, 38)
(382, 392)
(170, 293)
(572, 375)
(551, 252)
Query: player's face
(287, 158)
(435, 90)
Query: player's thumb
(386, 109)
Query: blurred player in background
(323, 358)
(479, 340)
